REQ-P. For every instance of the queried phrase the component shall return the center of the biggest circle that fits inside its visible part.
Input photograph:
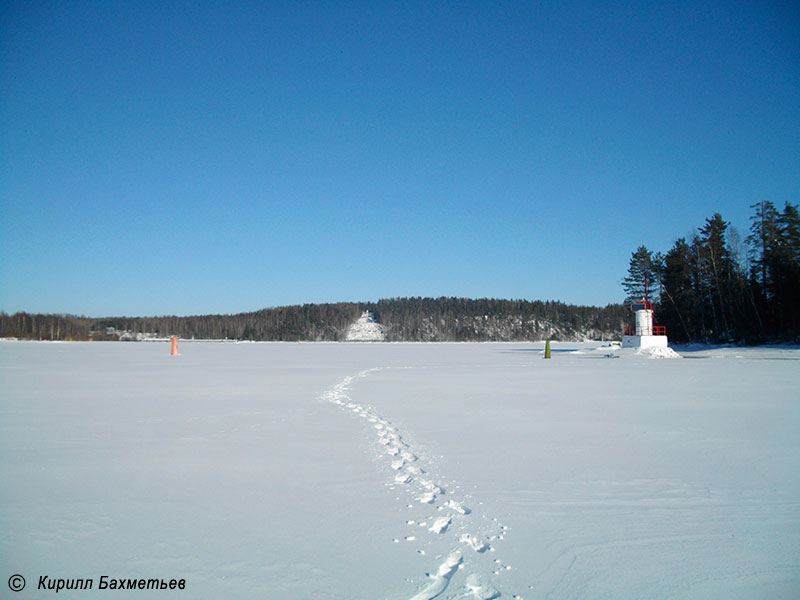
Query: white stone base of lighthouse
(644, 341)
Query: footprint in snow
(440, 525)
(458, 507)
(427, 498)
(441, 579)
(476, 543)
(480, 589)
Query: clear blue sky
(217, 157)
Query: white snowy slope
(366, 329)
(401, 471)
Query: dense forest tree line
(460, 319)
(403, 319)
(717, 287)
(45, 327)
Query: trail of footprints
(425, 490)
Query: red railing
(657, 330)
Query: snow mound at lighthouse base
(616, 351)
(366, 329)
(658, 352)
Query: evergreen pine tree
(717, 267)
(641, 275)
(786, 270)
(678, 300)
(763, 241)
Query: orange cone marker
(174, 350)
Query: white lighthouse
(644, 334)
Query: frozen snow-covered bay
(370, 471)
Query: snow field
(402, 470)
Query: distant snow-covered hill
(366, 329)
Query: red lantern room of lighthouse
(643, 334)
